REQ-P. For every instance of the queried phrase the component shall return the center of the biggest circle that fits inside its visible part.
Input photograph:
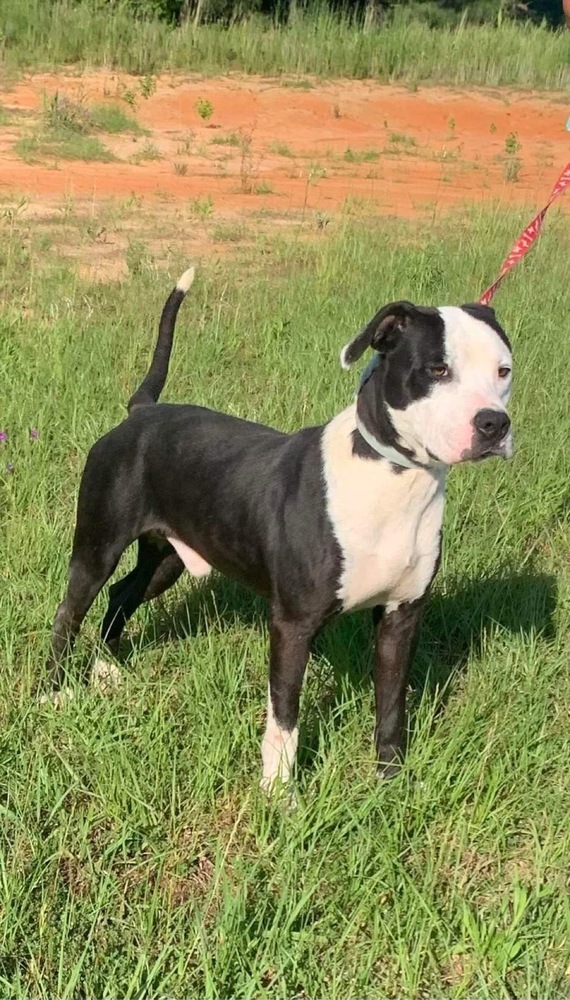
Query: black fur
(401, 377)
(153, 383)
(487, 315)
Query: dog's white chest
(387, 525)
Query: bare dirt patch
(271, 155)
(308, 149)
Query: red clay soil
(319, 148)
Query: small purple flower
(34, 434)
(3, 437)
(9, 467)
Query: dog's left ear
(379, 332)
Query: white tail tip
(343, 362)
(185, 281)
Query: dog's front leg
(289, 645)
(395, 642)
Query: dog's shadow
(456, 625)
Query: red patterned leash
(528, 236)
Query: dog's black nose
(492, 425)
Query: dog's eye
(439, 371)
(504, 372)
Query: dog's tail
(153, 383)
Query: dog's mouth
(502, 449)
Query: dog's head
(437, 390)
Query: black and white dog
(333, 518)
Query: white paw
(274, 788)
(57, 698)
(105, 677)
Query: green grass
(111, 118)
(63, 113)
(231, 139)
(137, 858)
(62, 145)
(361, 155)
(281, 149)
(66, 128)
(202, 207)
(264, 187)
(39, 34)
(147, 152)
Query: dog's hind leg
(90, 568)
(158, 568)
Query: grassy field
(39, 34)
(137, 856)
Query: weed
(138, 257)
(357, 205)
(512, 164)
(402, 140)
(185, 147)
(446, 155)
(315, 172)
(133, 203)
(130, 98)
(247, 171)
(204, 108)
(147, 86)
(361, 155)
(512, 168)
(297, 84)
(492, 128)
(512, 144)
(111, 118)
(336, 111)
(147, 152)
(43, 243)
(264, 187)
(10, 213)
(181, 169)
(62, 114)
(232, 139)
(229, 233)
(68, 207)
(281, 149)
(62, 146)
(202, 207)
(66, 127)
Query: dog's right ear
(379, 332)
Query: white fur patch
(185, 280)
(191, 559)
(343, 362)
(387, 525)
(105, 676)
(57, 698)
(278, 751)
